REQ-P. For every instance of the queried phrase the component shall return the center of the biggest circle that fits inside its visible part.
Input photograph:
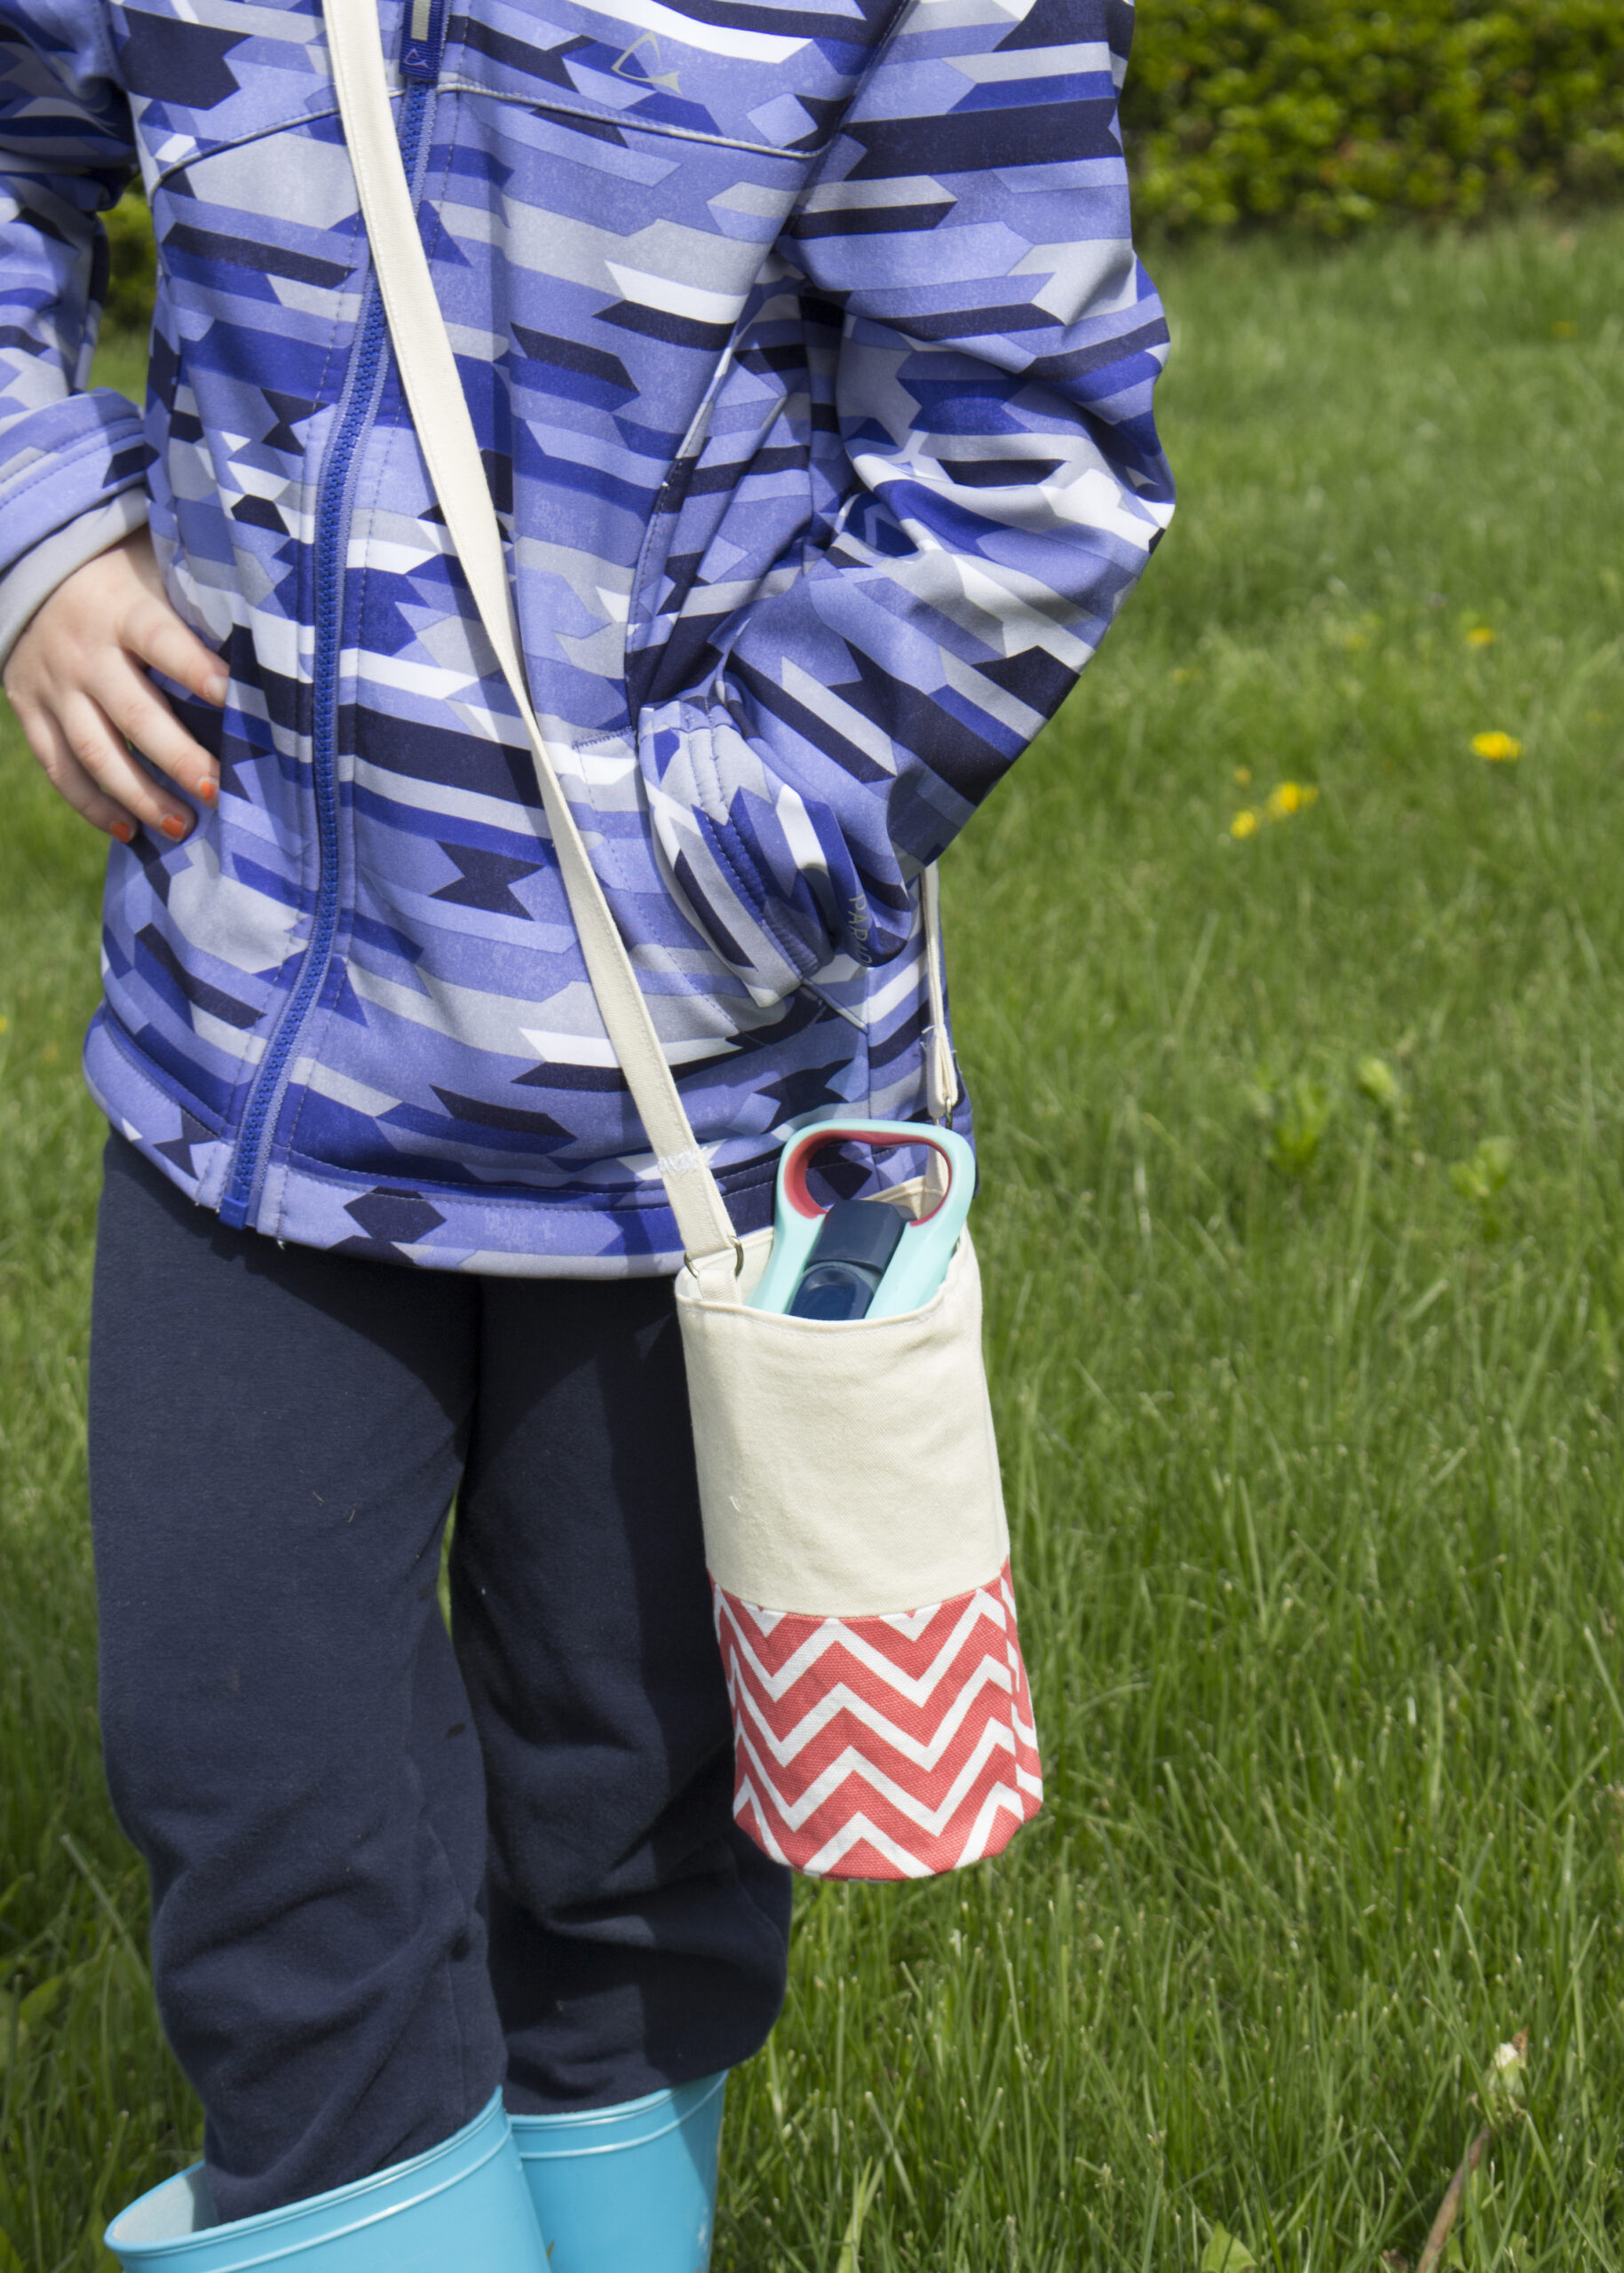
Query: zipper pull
(424, 37)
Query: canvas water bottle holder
(854, 1522)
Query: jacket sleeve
(994, 483)
(72, 458)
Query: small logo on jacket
(857, 917)
(636, 64)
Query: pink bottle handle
(799, 1151)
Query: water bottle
(855, 1241)
(861, 1258)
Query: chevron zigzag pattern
(888, 1748)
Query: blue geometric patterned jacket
(813, 367)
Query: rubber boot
(463, 2207)
(630, 2189)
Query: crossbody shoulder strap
(941, 1073)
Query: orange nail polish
(123, 831)
(207, 792)
(173, 826)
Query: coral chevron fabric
(890, 1747)
(812, 369)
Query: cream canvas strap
(941, 1074)
(450, 448)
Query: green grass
(1314, 1458)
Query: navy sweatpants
(392, 1869)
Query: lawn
(1302, 1216)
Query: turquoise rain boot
(630, 2189)
(461, 2208)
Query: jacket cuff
(51, 562)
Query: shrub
(1333, 115)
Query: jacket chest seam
(603, 114)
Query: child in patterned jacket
(812, 367)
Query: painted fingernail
(173, 826)
(217, 688)
(207, 790)
(124, 831)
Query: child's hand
(76, 682)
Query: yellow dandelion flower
(1290, 797)
(1243, 774)
(5, 1022)
(1564, 330)
(1500, 749)
(1480, 636)
(1356, 642)
(1244, 823)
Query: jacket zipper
(361, 397)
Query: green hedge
(1333, 116)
